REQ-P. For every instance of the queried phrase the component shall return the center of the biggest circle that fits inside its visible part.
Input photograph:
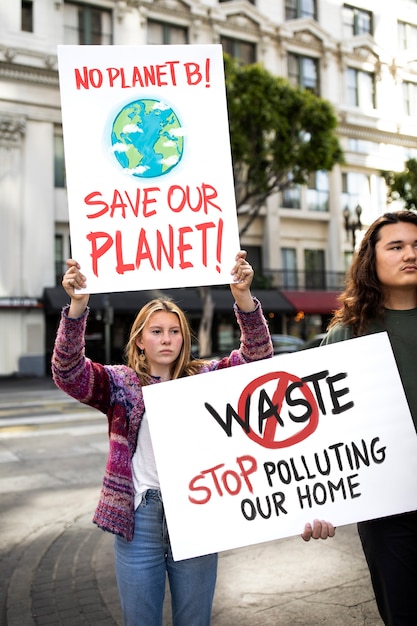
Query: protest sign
(149, 174)
(251, 453)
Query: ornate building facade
(361, 56)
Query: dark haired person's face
(396, 256)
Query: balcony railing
(286, 280)
(292, 280)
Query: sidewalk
(63, 573)
(67, 578)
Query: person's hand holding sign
(73, 279)
(319, 530)
(242, 276)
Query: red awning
(321, 302)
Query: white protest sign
(251, 453)
(149, 173)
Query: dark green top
(402, 332)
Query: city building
(361, 56)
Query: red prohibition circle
(267, 439)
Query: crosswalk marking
(14, 432)
(8, 457)
(51, 419)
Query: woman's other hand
(74, 279)
(242, 274)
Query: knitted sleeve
(72, 372)
(255, 339)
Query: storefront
(313, 311)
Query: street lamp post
(352, 223)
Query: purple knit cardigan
(115, 390)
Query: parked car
(313, 342)
(286, 343)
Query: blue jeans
(141, 568)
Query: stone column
(12, 130)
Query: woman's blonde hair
(184, 364)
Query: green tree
(403, 185)
(279, 134)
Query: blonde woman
(130, 506)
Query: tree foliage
(403, 185)
(279, 133)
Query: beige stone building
(360, 55)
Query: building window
(356, 21)
(360, 88)
(314, 265)
(59, 259)
(163, 33)
(300, 8)
(407, 36)
(254, 257)
(87, 25)
(363, 146)
(62, 252)
(355, 191)
(304, 72)
(243, 51)
(289, 267)
(27, 16)
(291, 197)
(318, 191)
(409, 98)
(59, 163)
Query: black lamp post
(352, 223)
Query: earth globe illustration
(147, 138)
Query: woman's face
(161, 340)
(396, 257)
